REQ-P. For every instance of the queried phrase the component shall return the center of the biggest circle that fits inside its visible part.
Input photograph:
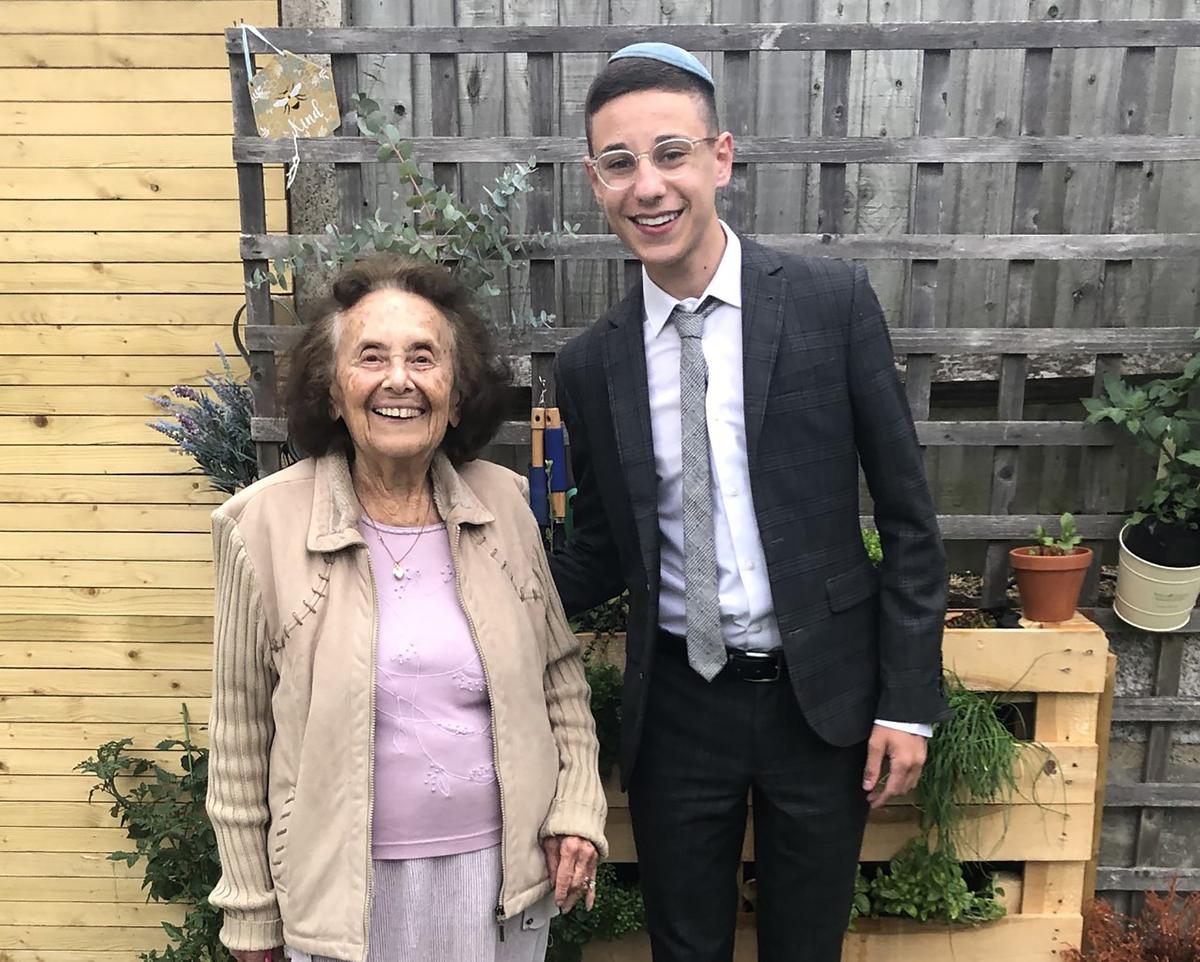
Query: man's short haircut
(633, 74)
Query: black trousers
(706, 748)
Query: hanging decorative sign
(291, 97)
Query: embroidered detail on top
(308, 606)
(435, 778)
(468, 681)
(405, 652)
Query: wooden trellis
(923, 340)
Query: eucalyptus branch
(477, 243)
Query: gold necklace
(398, 569)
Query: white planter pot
(1153, 597)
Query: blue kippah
(666, 53)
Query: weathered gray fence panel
(1022, 180)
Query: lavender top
(435, 785)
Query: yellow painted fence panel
(119, 272)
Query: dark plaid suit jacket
(821, 396)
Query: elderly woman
(403, 763)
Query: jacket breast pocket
(811, 370)
(849, 589)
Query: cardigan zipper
(487, 680)
(371, 752)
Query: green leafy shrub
(619, 910)
(164, 817)
(609, 618)
(928, 885)
(605, 683)
(213, 427)
(1162, 421)
(861, 906)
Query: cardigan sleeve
(579, 806)
(240, 732)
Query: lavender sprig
(213, 426)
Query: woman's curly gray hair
(480, 374)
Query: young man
(718, 416)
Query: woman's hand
(258, 955)
(572, 863)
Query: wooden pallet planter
(1049, 828)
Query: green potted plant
(1050, 572)
(1158, 577)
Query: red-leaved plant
(1168, 930)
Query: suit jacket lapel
(629, 403)
(764, 293)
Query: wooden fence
(924, 336)
(119, 270)
(919, 260)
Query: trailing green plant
(477, 243)
(164, 817)
(618, 910)
(971, 759)
(927, 884)
(1159, 417)
(1068, 538)
(213, 426)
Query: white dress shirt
(747, 612)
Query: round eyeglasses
(617, 169)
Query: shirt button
(755, 629)
(749, 565)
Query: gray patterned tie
(706, 649)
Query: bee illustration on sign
(294, 98)
(291, 100)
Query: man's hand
(894, 763)
(258, 955)
(571, 862)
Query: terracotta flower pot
(1050, 584)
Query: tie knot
(691, 323)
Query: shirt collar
(726, 286)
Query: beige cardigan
(290, 768)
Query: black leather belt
(752, 666)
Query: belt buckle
(763, 654)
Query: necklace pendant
(399, 571)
